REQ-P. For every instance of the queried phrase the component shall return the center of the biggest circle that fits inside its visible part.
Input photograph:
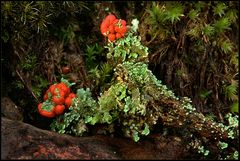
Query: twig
(26, 85)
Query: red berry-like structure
(113, 28)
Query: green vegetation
(201, 32)
(175, 57)
(136, 100)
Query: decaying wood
(193, 121)
(24, 141)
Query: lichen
(136, 100)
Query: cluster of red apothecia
(113, 28)
(56, 99)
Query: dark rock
(10, 110)
(24, 141)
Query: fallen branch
(24, 141)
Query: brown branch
(24, 141)
(193, 121)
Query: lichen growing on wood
(136, 101)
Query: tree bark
(24, 141)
